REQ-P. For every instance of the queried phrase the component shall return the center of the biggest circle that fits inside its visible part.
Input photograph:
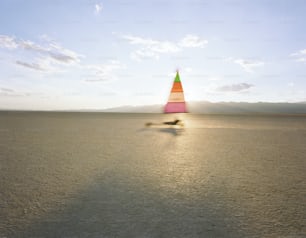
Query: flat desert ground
(67, 174)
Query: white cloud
(8, 92)
(98, 8)
(152, 49)
(299, 56)
(35, 66)
(192, 41)
(302, 59)
(63, 55)
(50, 53)
(103, 72)
(7, 42)
(42, 64)
(142, 54)
(249, 65)
(234, 87)
(29, 45)
(53, 50)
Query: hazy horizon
(197, 107)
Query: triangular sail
(176, 102)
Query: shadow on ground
(118, 206)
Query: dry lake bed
(68, 174)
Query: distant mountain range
(204, 107)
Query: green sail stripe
(177, 78)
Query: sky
(87, 54)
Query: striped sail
(176, 102)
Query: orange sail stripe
(177, 87)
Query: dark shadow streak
(173, 131)
(170, 130)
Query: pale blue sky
(97, 54)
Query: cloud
(152, 49)
(192, 41)
(142, 54)
(234, 87)
(8, 42)
(63, 55)
(299, 56)
(34, 66)
(53, 50)
(8, 92)
(98, 8)
(31, 46)
(104, 72)
(248, 65)
(50, 53)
